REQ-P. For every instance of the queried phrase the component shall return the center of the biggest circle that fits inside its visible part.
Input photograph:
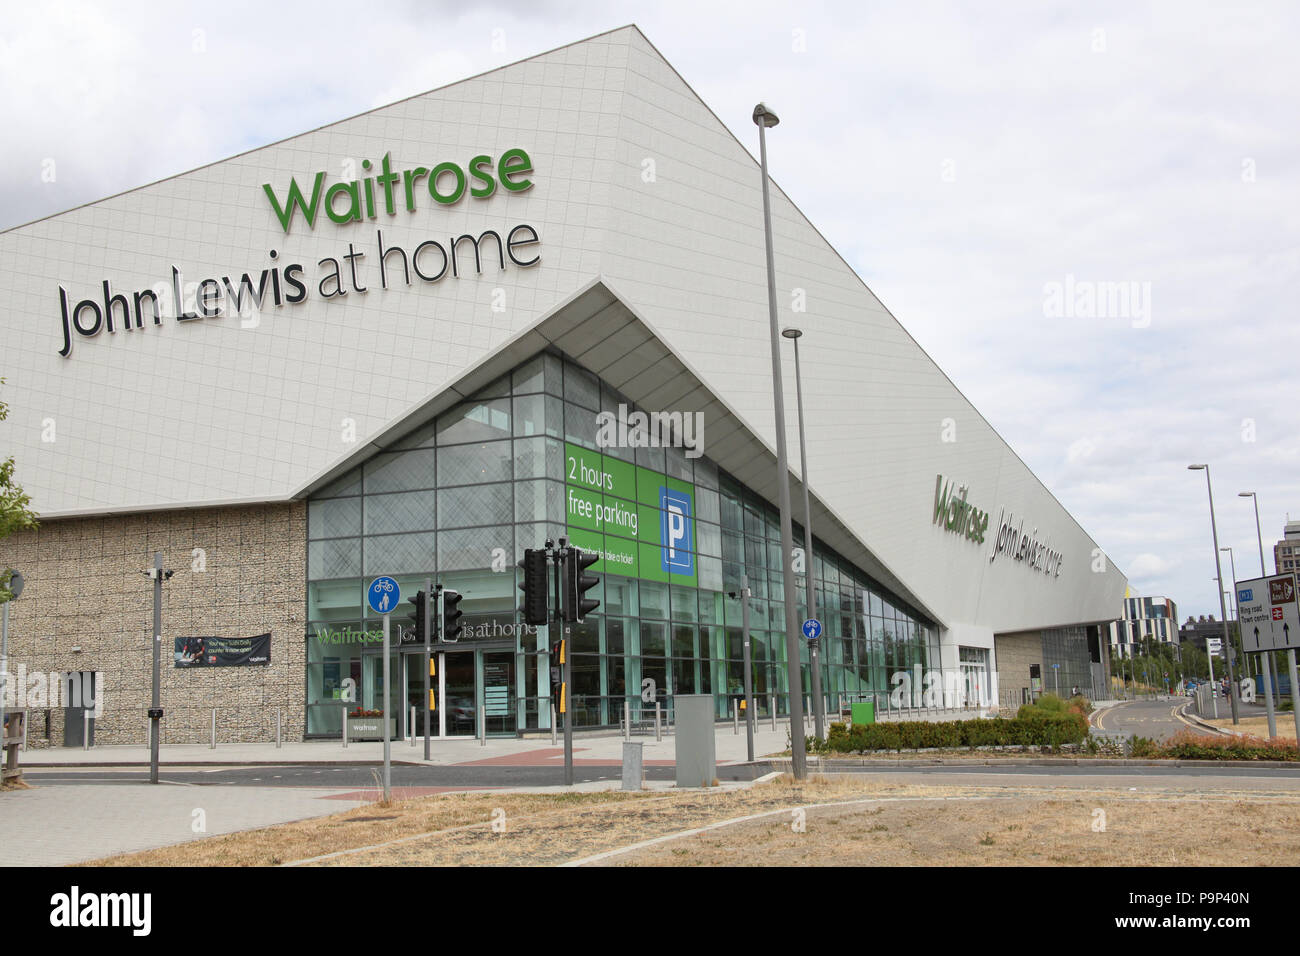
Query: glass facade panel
(402, 511)
(499, 482)
(400, 471)
(334, 517)
(337, 558)
(475, 464)
(475, 421)
(476, 505)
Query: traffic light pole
(557, 555)
(428, 658)
(568, 709)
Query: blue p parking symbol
(675, 532)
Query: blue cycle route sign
(383, 595)
(812, 629)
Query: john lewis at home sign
(243, 295)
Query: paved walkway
(604, 747)
(58, 825)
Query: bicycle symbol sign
(383, 595)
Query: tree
(14, 513)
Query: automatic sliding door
(457, 682)
(498, 691)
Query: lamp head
(1245, 494)
(764, 116)
(792, 333)
(1195, 467)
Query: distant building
(1286, 553)
(1145, 618)
(1195, 631)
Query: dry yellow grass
(1258, 726)
(1027, 830)
(938, 825)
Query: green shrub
(1144, 747)
(1038, 730)
(1187, 745)
(1047, 704)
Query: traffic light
(536, 581)
(421, 602)
(558, 695)
(575, 584)
(451, 613)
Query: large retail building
(416, 342)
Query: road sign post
(383, 595)
(1268, 611)
(812, 630)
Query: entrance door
(454, 688)
(457, 685)
(78, 690)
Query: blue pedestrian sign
(383, 595)
(812, 628)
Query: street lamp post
(814, 647)
(1235, 606)
(765, 118)
(1223, 608)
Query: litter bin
(863, 712)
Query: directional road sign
(1269, 613)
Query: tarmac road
(363, 777)
(1158, 719)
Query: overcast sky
(962, 157)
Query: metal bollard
(482, 727)
(735, 718)
(85, 729)
(214, 729)
(412, 726)
(771, 708)
(658, 727)
(345, 728)
(627, 719)
(279, 727)
(553, 737)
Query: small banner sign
(223, 651)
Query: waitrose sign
(279, 280)
(955, 513)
